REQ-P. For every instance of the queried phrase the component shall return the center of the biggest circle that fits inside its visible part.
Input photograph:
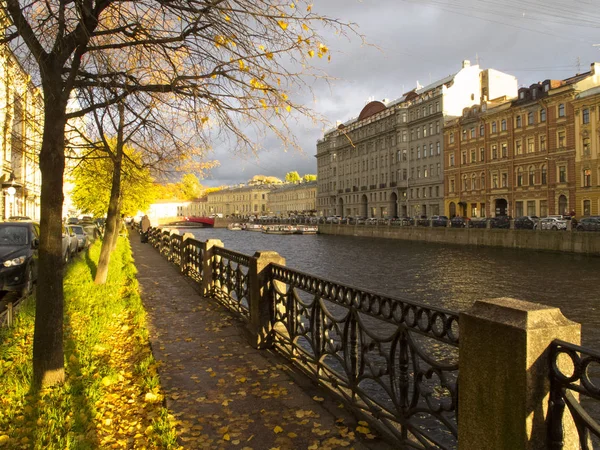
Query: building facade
(21, 122)
(587, 153)
(240, 201)
(293, 199)
(516, 156)
(389, 161)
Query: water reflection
(452, 277)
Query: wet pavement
(224, 393)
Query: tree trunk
(111, 232)
(48, 356)
(119, 224)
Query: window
(418, 132)
(437, 106)
(482, 154)
(472, 132)
(531, 207)
(530, 145)
(482, 209)
(543, 208)
(418, 152)
(430, 129)
(437, 128)
(586, 115)
(464, 135)
(424, 131)
(587, 177)
(531, 176)
(451, 162)
(439, 169)
(518, 148)
(494, 129)
(473, 156)
(518, 209)
(504, 151)
(464, 183)
(451, 185)
(473, 182)
(404, 174)
(561, 110)
(562, 174)
(542, 115)
(518, 122)
(494, 152)
(586, 146)
(482, 181)
(437, 191)
(561, 139)
(494, 180)
(437, 144)
(464, 158)
(586, 207)
(504, 179)
(452, 138)
(529, 118)
(503, 125)
(481, 130)
(542, 143)
(425, 173)
(519, 177)
(544, 175)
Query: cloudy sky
(425, 40)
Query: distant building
(517, 156)
(21, 122)
(240, 201)
(388, 162)
(293, 199)
(194, 208)
(165, 209)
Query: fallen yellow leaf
(278, 429)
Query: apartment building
(389, 161)
(516, 156)
(293, 199)
(21, 122)
(587, 152)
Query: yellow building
(289, 199)
(21, 122)
(587, 153)
(240, 201)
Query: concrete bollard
(207, 260)
(261, 299)
(504, 383)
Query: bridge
(190, 222)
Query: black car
(19, 242)
(589, 224)
(526, 223)
(439, 221)
(460, 222)
(500, 222)
(478, 222)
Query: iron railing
(394, 362)
(193, 258)
(230, 271)
(574, 383)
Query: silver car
(553, 223)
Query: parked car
(553, 223)
(423, 221)
(460, 222)
(72, 221)
(526, 222)
(82, 239)
(478, 222)
(66, 245)
(18, 218)
(591, 223)
(92, 231)
(73, 241)
(439, 221)
(371, 221)
(19, 242)
(500, 222)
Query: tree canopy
(292, 177)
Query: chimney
(466, 63)
(595, 68)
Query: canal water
(452, 277)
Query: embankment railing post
(207, 266)
(261, 298)
(504, 374)
(184, 255)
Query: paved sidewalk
(224, 393)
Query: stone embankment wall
(557, 241)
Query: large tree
(230, 64)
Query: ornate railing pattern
(231, 280)
(175, 247)
(574, 383)
(193, 257)
(395, 362)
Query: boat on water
(253, 227)
(279, 229)
(307, 229)
(235, 226)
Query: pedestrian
(145, 228)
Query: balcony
(347, 189)
(340, 191)
(363, 188)
(373, 186)
(382, 185)
(393, 184)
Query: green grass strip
(111, 396)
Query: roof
(296, 186)
(588, 93)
